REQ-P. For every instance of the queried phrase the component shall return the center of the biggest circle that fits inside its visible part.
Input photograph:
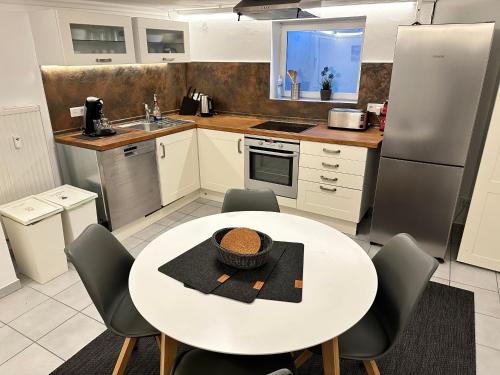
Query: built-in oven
(272, 163)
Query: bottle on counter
(156, 109)
(279, 87)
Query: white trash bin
(34, 228)
(79, 209)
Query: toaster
(346, 118)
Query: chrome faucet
(147, 112)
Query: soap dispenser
(156, 109)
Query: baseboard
(10, 288)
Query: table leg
(331, 357)
(168, 351)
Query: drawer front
(331, 178)
(328, 200)
(333, 150)
(332, 164)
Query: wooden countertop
(371, 138)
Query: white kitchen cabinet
(479, 244)
(64, 37)
(222, 163)
(177, 159)
(336, 180)
(161, 41)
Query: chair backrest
(103, 264)
(403, 271)
(250, 200)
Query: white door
(480, 244)
(158, 41)
(95, 38)
(177, 157)
(222, 162)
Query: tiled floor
(44, 325)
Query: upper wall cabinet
(160, 41)
(82, 38)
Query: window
(308, 46)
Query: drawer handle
(163, 150)
(331, 190)
(329, 179)
(168, 59)
(109, 59)
(327, 165)
(331, 151)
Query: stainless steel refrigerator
(436, 86)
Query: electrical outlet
(374, 108)
(76, 111)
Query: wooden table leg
(331, 357)
(168, 351)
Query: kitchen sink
(165, 123)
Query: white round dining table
(339, 286)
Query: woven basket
(242, 261)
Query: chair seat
(366, 339)
(198, 361)
(126, 320)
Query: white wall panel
(26, 170)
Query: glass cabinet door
(98, 39)
(165, 41)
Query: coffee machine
(92, 117)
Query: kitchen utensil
(293, 75)
(295, 93)
(189, 106)
(242, 261)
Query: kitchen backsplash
(236, 88)
(124, 89)
(244, 88)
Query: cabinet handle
(106, 60)
(327, 165)
(168, 59)
(163, 150)
(329, 179)
(331, 151)
(331, 190)
(239, 146)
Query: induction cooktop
(288, 127)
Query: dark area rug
(438, 341)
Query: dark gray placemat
(89, 138)
(282, 284)
(198, 268)
(242, 285)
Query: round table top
(339, 286)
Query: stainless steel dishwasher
(130, 180)
(124, 178)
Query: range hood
(271, 9)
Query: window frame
(278, 63)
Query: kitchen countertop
(371, 138)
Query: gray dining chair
(197, 361)
(250, 200)
(104, 266)
(403, 271)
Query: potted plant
(326, 84)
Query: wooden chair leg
(371, 367)
(302, 358)
(124, 356)
(331, 357)
(168, 351)
(158, 341)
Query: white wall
(20, 78)
(222, 38)
(8, 279)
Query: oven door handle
(282, 154)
